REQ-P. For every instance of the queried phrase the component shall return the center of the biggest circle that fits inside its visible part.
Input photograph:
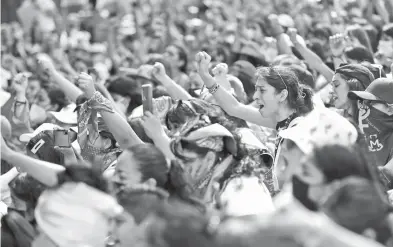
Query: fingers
(292, 33)
(202, 57)
(158, 69)
(220, 69)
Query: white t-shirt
(246, 195)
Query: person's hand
(275, 26)
(220, 71)
(86, 84)
(292, 33)
(203, 61)
(19, 84)
(68, 154)
(152, 126)
(145, 70)
(337, 44)
(159, 72)
(47, 66)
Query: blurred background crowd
(271, 123)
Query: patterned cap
(321, 127)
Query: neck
(284, 114)
(349, 109)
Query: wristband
(214, 88)
(20, 102)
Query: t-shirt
(377, 128)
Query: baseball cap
(380, 90)
(66, 115)
(43, 127)
(319, 128)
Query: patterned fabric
(212, 143)
(88, 128)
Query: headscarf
(357, 71)
(89, 126)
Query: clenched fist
(203, 60)
(220, 71)
(158, 71)
(86, 84)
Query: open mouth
(261, 106)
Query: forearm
(283, 45)
(121, 130)
(314, 61)
(381, 10)
(44, 172)
(335, 235)
(20, 105)
(71, 91)
(175, 91)
(225, 99)
(162, 142)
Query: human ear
(283, 95)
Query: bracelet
(20, 102)
(214, 88)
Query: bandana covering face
(88, 128)
(377, 128)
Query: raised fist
(19, 84)
(203, 60)
(158, 71)
(47, 66)
(338, 43)
(220, 71)
(86, 84)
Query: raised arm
(116, 123)
(312, 59)
(283, 42)
(45, 172)
(71, 91)
(225, 99)
(175, 90)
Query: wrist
(7, 156)
(20, 97)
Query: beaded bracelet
(214, 88)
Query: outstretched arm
(225, 99)
(175, 90)
(72, 91)
(116, 123)
(312, 59)
(45, 172)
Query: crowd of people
(271, 124)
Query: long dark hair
(299, 96)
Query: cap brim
(64, 118)
(26, 137)
(295, 134)
(214, 130)
(363, 95)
